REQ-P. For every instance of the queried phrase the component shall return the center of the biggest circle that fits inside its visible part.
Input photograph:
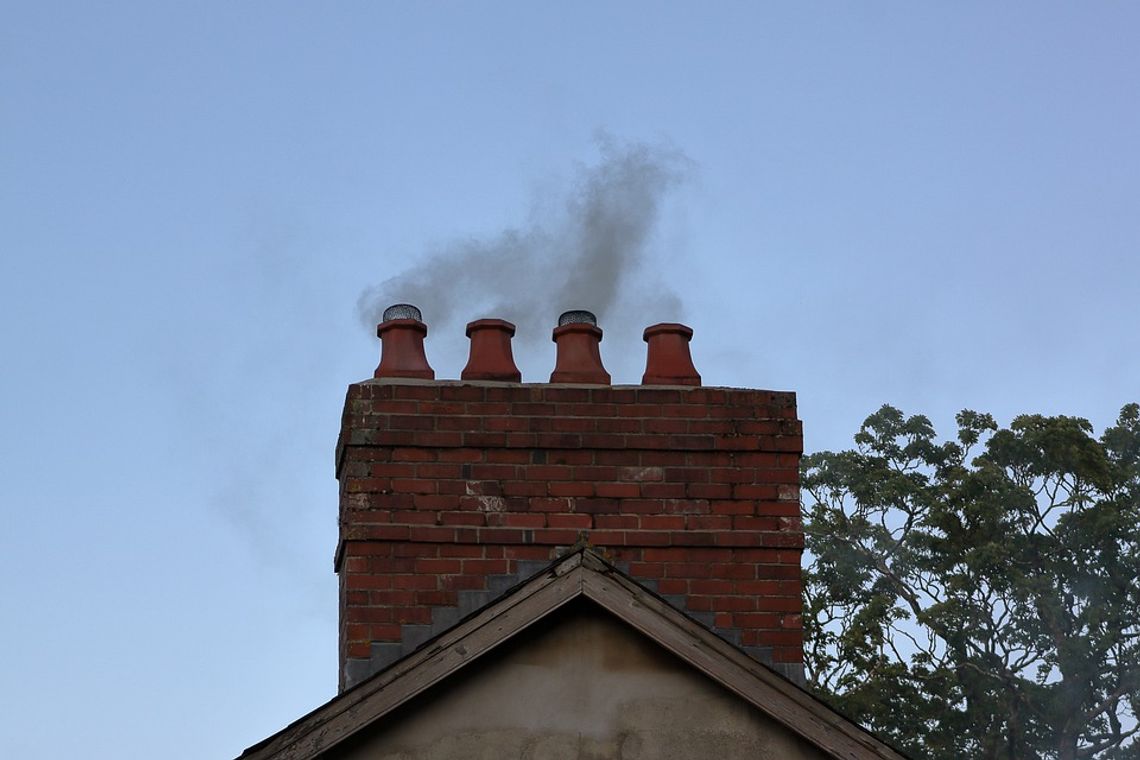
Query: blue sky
(931, 205)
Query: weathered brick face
(451, 492)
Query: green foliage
(978, 598)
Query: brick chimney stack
(454, 491)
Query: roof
(581, 574)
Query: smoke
(584, 247)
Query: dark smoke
(589, 253)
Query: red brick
(571, 521)
(436, 470)
(414, 581)
(460, 455)
(551, 505)
(571, 424)
(414, 485)
(442, 408)
(365, 582)
(390, 470)
(619, 425)
(710, 586)
(756, 620)
(486, 566)
(435, 502)
(508, 456)
(425, 533)
(672, 586)
(708, 522)
(563, 537)
(665, 426)
(614, 521)
(736, 603)
(506, 424)
(521, 488)
(437, 598)
(687, 570)
(475, 582)
(547, 472)
(503, 536)
(725, 507)
(597, 506)
(414, 615)
(738, 571)
(396, 596)
(463, 518)
(493, 472)
(616, 458)
(461, 550)
(413, 517)
(663, 490)
(609, 537)
(526, 520)
(489, 408)
(430, 565)
(708, 491)
(661, 522)
(618, 490)
(647, 569)
(359, 649)
(527, 552)
(570, 489)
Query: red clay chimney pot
(668, 361)
(402, 345)
(491, 357)
(579, 359)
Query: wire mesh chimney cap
(577, 317)
(402, 311)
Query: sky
(931, 205)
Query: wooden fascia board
(770, 693)
(356, 709)
(580, 574)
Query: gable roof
(581, 574)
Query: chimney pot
(668, 361)
(491, 357)
(402, 344)
(579, 359)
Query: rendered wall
(583, 686)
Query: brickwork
(451, 492)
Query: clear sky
(931, 205)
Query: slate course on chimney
(453, 491)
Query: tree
(979, 606)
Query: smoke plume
(584, 247)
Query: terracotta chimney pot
(491, 357)
(668, 361)
(402, 344)
(579, 359)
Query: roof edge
(582, 572)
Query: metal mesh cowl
(402, 311)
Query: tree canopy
(979, 597)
